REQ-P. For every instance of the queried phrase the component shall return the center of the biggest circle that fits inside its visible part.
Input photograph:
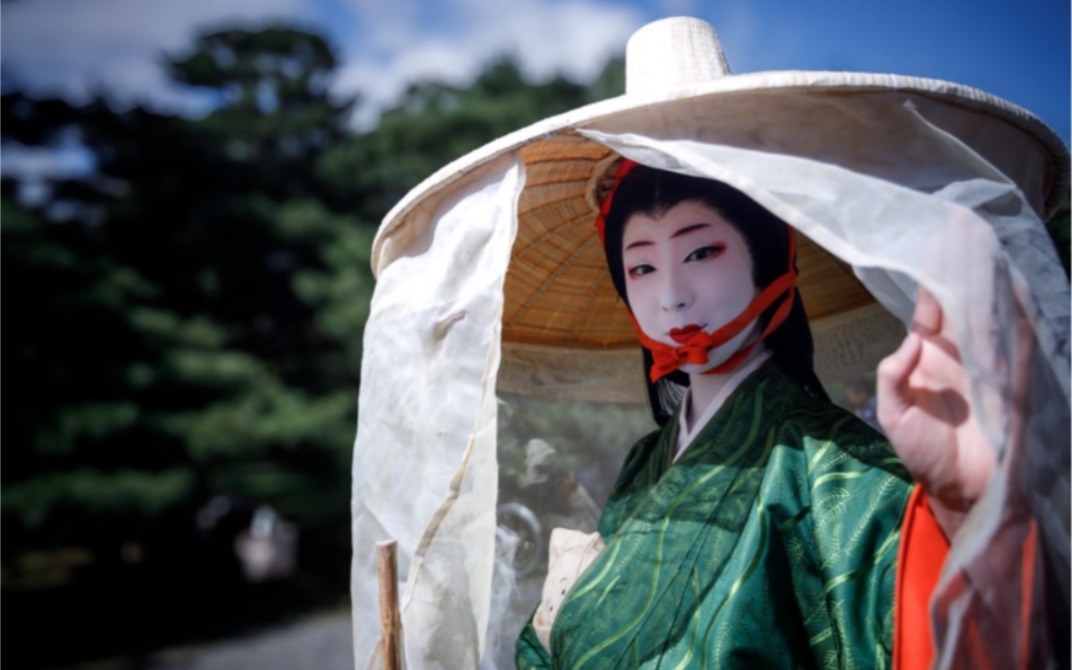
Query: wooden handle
(390, 621)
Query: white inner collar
(685, 437)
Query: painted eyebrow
(688, 229)
(684, 231)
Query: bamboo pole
(390, 621)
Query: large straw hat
(557, 292)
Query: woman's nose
(675, 293)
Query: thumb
(892, 391)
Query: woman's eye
(640, 270)
(704, 253)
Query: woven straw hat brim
(557, 289)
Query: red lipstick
(682, 335)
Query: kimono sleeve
(843, 552)
(529, 653)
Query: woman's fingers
(892, 381)
(927, 317)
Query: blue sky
(1019, 51)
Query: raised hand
(923, 406)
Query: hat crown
(671, 53)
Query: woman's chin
(693, 369)
(713, 361)
(719, 355)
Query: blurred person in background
(861, 397)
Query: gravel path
(321, 643)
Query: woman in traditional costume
(761, 525)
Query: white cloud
(388, 26)
(76, 47)
(575, 38)
(378, 86)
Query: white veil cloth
(909, 182)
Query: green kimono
(771, 543)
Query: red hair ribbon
(624, 168)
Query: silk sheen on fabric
(772, 542)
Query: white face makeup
(686, 271)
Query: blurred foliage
(185, 322)
(435, 123)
